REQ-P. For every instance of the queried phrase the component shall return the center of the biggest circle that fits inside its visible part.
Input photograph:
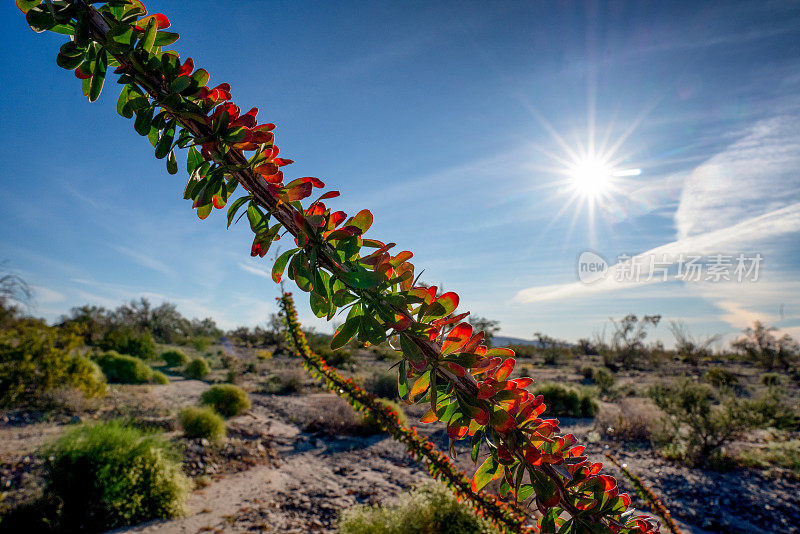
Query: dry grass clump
(631, 419)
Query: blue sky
(459, 125)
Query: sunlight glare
(591, 176)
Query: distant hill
(502, 341)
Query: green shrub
(35, 359)
(159, 378)
(335, 358)
(263, 354)
(124, 369)
(697, 423)
(128, 341)
(201, 423)
(567, 402)
(109, 475)
(370, 424)
(431, 508)
(383, 385)
(604, 379)
(771, 379)
(197, 369)
(228, 400)
(175, 358)
(721, 378)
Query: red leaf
(329, 194)
(504, 370)
(218, 202)
(81, 75)
(161, 20)
(485, 391)
(456, 338)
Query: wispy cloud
(255, 270)
(744, 199)
(144, 259)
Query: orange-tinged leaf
(489, 470)
(456, 338)
(500, 353)
(504, 370)
(401, 257)
(362, 220)
(429, 417)
(161, 20)
(420, 386)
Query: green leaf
(256, 217)
(172, 163)
(137, 99)
(179, 84)
(412, 352)
(204, 211)
(150, 35)
(98, 76)
(144, 118)
(347, 330)
(200, 77)
(165, 141)
(193, 160)
(234, 207)
(280, 264)
(27, 5)
(525, 491)
(476, 445)
(123, 105)
(361, 279)
(489, 470)
(40, 19)
(319, 305)
(165, 38)
(68, 62)
(402, 380)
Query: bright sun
(591, 176)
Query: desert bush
(627, 343)
(604, 379)
(159, 378)
(201, 423)
(125, 369)
(383, 353)
(109, 475)
(697, 422)
(721, 378)
(771, 379)
(631, 419)
(689, 349)
(567, 402)
(431, 508)
(383, 384)
(200, 342)
(197, 368)
(35, 359)
(761, 346)
(263, 354)
(525, 371)
(335, 358)
(553, 350)
(175, 358)
(330, 415)
(126, 340)
(587, 372)
(370, 423)
(226, 399)
(284, 383)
